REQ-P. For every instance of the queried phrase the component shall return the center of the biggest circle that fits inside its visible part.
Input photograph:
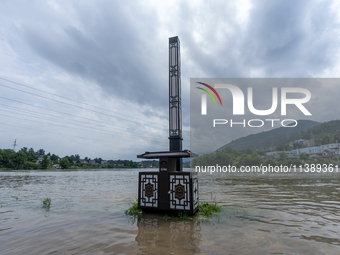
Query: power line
(44, 131)
(90, 127)
(69, 99)
(53, 124)
(107, 132)
(6, 124)
(71, 104)
(72, 115)
(53, 119)
(59, 95)
(59, 117)
(44, 108)
(24, 61)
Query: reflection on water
(157, 236)
(263, 214)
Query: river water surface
(262, 214)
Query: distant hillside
(276, 137)
(328, 132)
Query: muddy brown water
(262, 214)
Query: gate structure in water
(170, 189)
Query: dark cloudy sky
(91, 77)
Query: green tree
(303, 156)
(249, 151)
(8, 158)
(24, 150)
(326, 139)
(232, 151)
(222, 158)
(337, 136)
(64, 163)
(19, 159)
(98, 160)
(71, 158)
(252, 160)
(30, 165)
(297, 145)
(286, 147)
(45, 163)
(283, 155)
(129, 163)
(261, 153)
(54, 158)
(40, 152)
(270, 161)
(31, 156)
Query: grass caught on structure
(205, 210)
(47, 203)
(208, 209)
(134, 211)
(184, 216)
(166, 217)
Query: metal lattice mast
(175, 109)
(15, 144)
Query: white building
(326, 150)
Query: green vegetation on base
(134, 211)
(184, 216)
(208, 209)
(166, 217)
(205, 210)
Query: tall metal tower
(175, 108)
(14, 144)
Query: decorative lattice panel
(179, 192)
(195, 192)
(148, 190)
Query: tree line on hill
(28, 159)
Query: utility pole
(14, 144)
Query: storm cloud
(114, 54)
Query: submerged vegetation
(134, 211)
(205, 211)
(47, 203)
(208, 209)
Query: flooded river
(263, 214)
